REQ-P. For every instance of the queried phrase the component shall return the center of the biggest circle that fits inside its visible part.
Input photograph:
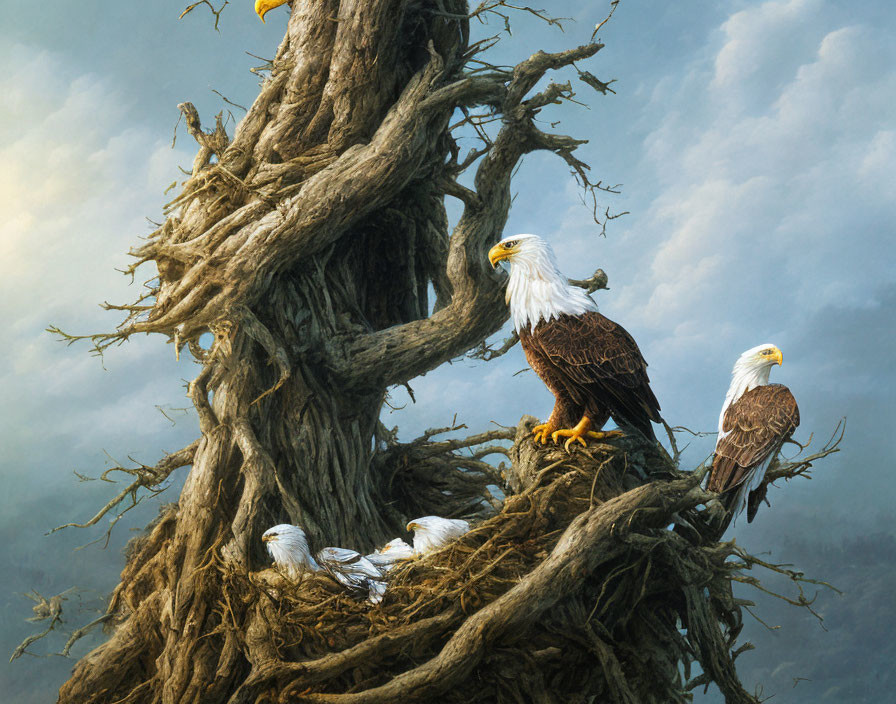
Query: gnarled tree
(307, 245)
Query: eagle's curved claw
(581, 431)
(572, 433)
(543, 432)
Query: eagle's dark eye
(766, 352)
(509, 245)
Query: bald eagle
(756, 419)
(433, 532)
(262, 7)
(591, 364)
(288, 546)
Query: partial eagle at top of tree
(263, 7)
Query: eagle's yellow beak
(777, 357)
(262, 7)
(498, 253)
(411, 526)
(267, 538)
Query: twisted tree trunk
(307, 245)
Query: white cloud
(769, 211)
(78, 173)
(756, 39)
(76, 181)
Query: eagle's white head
(432, 532)
(751, 369)
(537, 289)
(288, 546)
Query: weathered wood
(307, 245)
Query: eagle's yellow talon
(580, 432)
(541, 432)
(571, 441)
(567, 433)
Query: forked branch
(216, 12)
(476, 310)
(145, 476)
(801, 466)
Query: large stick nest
(576, 590)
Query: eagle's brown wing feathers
(602, 368)
(566, 411)
(757, 424)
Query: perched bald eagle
(434, 532)
(262, 7)
(288, 546)
(756, 419)
(591, 364)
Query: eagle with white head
(434, 532)
(757, 418)
(591, 364)
(288, 545)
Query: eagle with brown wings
(591, 364)
(757, 419)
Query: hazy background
(756, 145)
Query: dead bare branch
(801, 466)
(147, 476)
(215, 12)
(44, 610)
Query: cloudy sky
(756, 142)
